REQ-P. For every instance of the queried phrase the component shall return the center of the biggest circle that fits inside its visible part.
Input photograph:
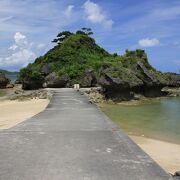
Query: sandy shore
(14, 112)
(167, 155)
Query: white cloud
(69, 10)
(13, 47)
(21, 52)
(20, 38)
(95, 14)
(33, 17)
(41, 46)
(147, 42)
(167, 13)
(21, 57)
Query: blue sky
(28, 26)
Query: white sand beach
(166, 154)
(14, 112)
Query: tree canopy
(65, 34)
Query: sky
(27, 28)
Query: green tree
(86, 31)
(81, 32)
(62, 36)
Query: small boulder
(3, 81)
(10, 85)
(177, 173)
(32, 84)
(43, 95)
(18, 91)
(89, 79)
(55, 81)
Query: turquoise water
(158, 119)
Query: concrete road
(72, 140)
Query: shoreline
(166, 154)
(23, 110)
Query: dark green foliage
(87, 31)
(29, 73)
(77, 52)
(62, 36)
(72, 56)
(80, 32)
(115, 55)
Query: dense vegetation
(72, 55)
(76, 58)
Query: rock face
(123, 81)
(77, 59)
(55, 81)
(46, 70)
(172, 91)
(89, 79)
(3, 81)
(115, 88)
(173, 79)
(32, 84)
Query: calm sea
(159, 119)
(12, 77)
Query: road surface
(72, 140)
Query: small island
(77, 59)
(114, 82)
(89, 90)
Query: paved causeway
(72, 140)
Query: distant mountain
(11, 75)
(8, 72)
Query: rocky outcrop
(22, 95)
(172, 91)
(46, 70)
(77, 59)
(10, 85)
(173, 79)
(115, 88)
(32, 84)
(55, 81)
(3, 81)
(176, 175)
(122, 83)
(94, 94)
(89, 79)
(153, 81)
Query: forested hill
(76, 58)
